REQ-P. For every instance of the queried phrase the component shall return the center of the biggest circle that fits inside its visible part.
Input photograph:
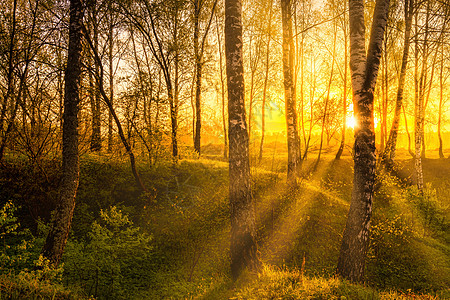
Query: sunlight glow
(351, 122)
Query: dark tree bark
(62, 219)
(243, 227)
(388, 154)
(111, 74)
(364, 69)
(4, 132)
(198, 76)
(96, 140)
(199, 46)
(293, 140)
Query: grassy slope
(299, 231)
(303, 229)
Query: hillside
(173, 244)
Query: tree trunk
(364, 73)
(111, 75)
(388, 155)
(96, 142)
(344, 100)
(327, 98)
(222, 89)
(441, 99)
(407, 131)
(422, 90)
(293, 140)
(198, 77)
(10, 84)
(266, 79)
(385, 98)
(62, 219)
(311, 107)
(252, 91)
(198, 53)
(243, 227)
(418, 109)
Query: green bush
(389, 257)
(18, 244)
(406, 250)
(24, 273)
(111, 263)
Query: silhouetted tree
(62, 218)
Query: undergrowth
(173, 243)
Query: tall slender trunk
(254, 58)
(243, 224)
(111, 75)
(311, 107)
(222, 89)
(327, 98)
(198, 77)
(418, 110)
(293, 140)
(344, 100)
(423, 87)
(198, 54)
(299, 66)
(173, 95)
(407, 131)
(62, 219)
(266, 80)
(252, 92)
(96, 142)
(441, 99)
(385, 93)
(10, 83)
(364, 68)
(389, 153)
(173, 102)
(302, 89)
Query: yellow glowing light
(351, 122)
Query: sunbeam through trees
(224, 149)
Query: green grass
(25, 286)
(299, 231)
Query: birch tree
(243, 227)
(364, 69)
(388, 154)
(293, 140)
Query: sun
(351, 121)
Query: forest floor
(173, 243)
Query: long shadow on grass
(305, 223)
